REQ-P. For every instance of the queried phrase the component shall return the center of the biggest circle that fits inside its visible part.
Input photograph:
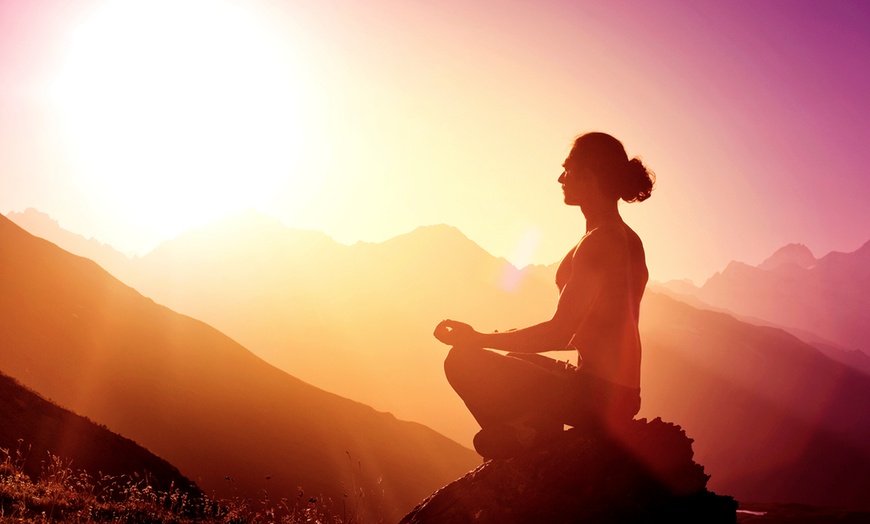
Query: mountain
(686, 292)
(798, 414)
(793, 254)
(355, 320)
(40, 224)
(773, 419)
(829, 297)
(39, 429)
(73, 333)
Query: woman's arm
(593, 259)
(533, 339)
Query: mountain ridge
(195, 396)
(820, 299)
(777, 413)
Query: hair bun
(637, 185)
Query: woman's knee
(460, 363)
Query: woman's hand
(455, 333)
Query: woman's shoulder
(607, 244)
(604, 236)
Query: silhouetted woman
(521, 399)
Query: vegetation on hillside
(63, 495)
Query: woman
(522, 399)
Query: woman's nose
(562, 178)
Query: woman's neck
(596, 218)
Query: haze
(132, 124)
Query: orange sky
(367, 119)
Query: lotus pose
(522, 399)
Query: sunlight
(512, 274)
(192, 108)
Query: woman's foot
(508, 440)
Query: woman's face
(574, 184)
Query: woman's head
(603, 156)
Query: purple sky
(753, 114)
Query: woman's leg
(505, 389)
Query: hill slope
(45, 428)
(41, 225)
(779, 425)
(72, 332)
(355, 320)
(772, 418)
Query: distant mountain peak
(437, 234)
(796, 254)
(30, 212)
(37, 222)
(441, 237)
(239, 231)
(441, 230)
(42, 225)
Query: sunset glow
(186, 107)
(132, 122)
(273, 242)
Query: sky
(131, 122)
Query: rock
(640, 472)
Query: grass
(63, 495)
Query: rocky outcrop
(642, 472)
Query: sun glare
(183, 109)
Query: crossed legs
(523, 395)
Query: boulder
(642, 471)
